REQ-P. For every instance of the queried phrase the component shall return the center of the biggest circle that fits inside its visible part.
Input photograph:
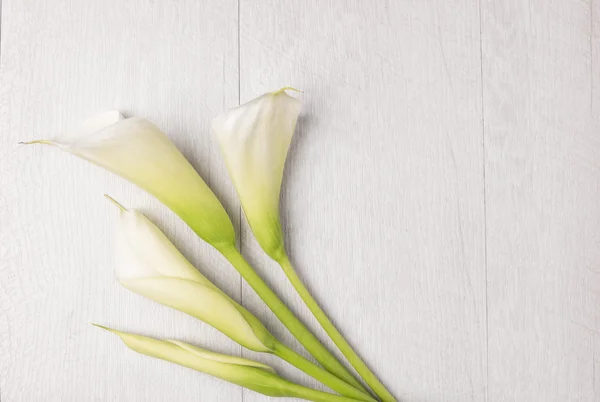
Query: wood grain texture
(542, 186)
(383, 194)
(62, 61)
(440, 198)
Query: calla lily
(244, 372)
(140, 152)
(148, 264)
(254, 139)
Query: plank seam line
(592, 59)
(485, 235)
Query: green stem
(334, 334)
(285, 315)
(320, 374)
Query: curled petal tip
(287, 89)
(121, 207)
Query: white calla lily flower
(247, 373)
(169, 349)
(148, 264)
(254, 139)
(244, 372)
(140, 152)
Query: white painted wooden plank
(542, 186)
(61, 61)
(383, 195)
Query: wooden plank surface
(542, 187)
(440, 197)
(383, 194)
(62, 61)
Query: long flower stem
(334, 334)
(320, 374)
(285, 315)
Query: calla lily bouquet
(254, 139)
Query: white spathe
(254, 139)
(147, 263)
(140, 152)
(247, 373)
(143, 251)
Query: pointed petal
(88, 127)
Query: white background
(441, 198)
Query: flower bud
(247, 373)
(254, 139)
(148, 264)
